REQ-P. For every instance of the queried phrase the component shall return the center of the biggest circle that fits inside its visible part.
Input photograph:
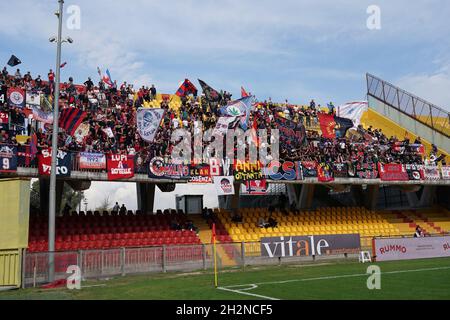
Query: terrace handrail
(409, 104)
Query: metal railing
(409, 104)
(101, 263)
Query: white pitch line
(248, 293)
(332, 277)
(93, 285)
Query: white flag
(148, 121)
(353, 111)
(108, 132)
(224, 185)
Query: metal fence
(95, 264)
(409, 104)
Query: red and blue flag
(186, 88)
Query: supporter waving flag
(107, 78)
(210, 93)
(342, 125)
(244, 93)
(186, 88)
(14, 61)
(70, 119)
(327, 125)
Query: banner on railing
(309, 169)
(288, 170)
(340, 170)
(247, 171)
(392, 172)
(224, 185)
(445, 172)
(415, 172)
(63, 163)
(95, 161)
(200, 174)
(387, 249)
(159, 169)
(120, 166)
(363, 171)
(310, 245)
(8, 158)
(324, 172)
(256, 187)
(431, 173)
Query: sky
(290, 49)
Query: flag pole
(215, 255)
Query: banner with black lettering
(8, 158)
(120, 166)
(63, 163)
(414, 171)
(317, 245)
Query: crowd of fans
(114, 108)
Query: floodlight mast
(52, 193)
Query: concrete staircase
(205, 235)
(420, 219)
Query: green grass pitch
(415, 279)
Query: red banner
(63, 163)
(256, 187)
(393, 172)
(4, 117)
(120, 166)
(325, 172)
(327, 125)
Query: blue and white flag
(107, 79)
(42, 116)
(148, 121)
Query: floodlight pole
(52, 193)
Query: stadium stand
(80, 231)
(338, 220)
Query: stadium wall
(14, 217)
(394, 122)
